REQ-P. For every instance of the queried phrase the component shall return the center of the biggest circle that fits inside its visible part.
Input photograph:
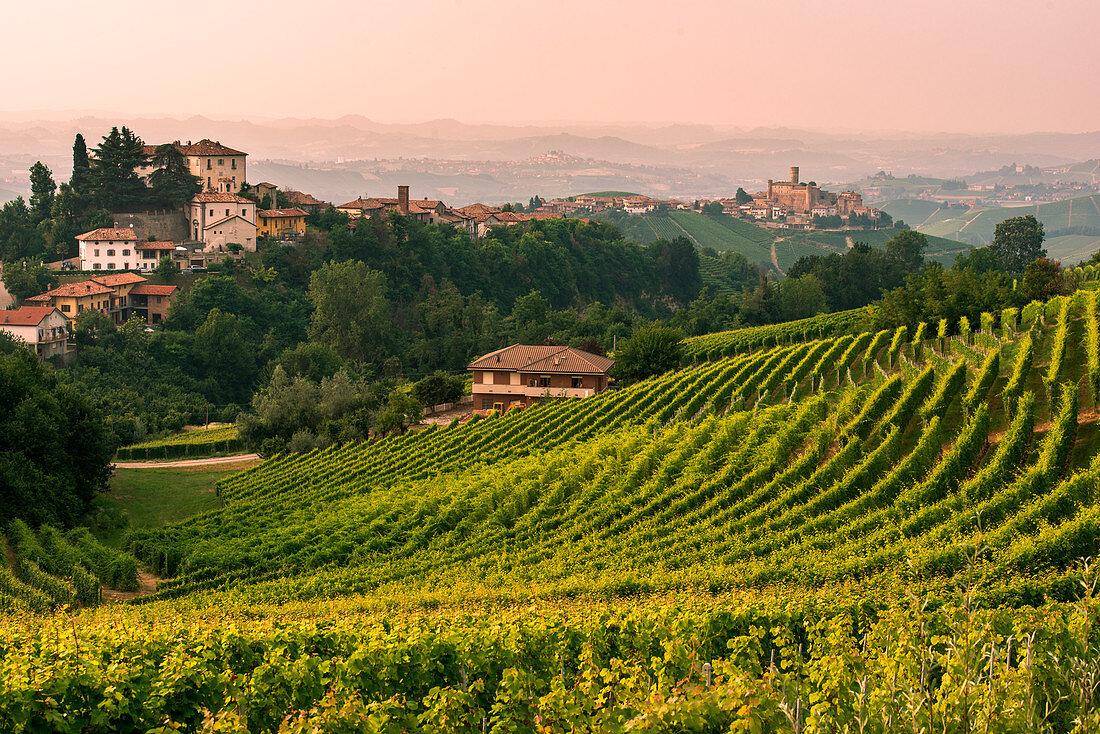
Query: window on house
(577, 382)
(544, 382)
(110, 253)
(209, 165)
(158, 300)
(208, 186)
(233, 165)
(96, 266)
(486, 403)
(532, 382)
(97, 253)
(126, 253)
(221, 161)
(65, 308)
(110, 266)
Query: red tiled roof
(75, 290)
(524, 358)
(25, 315)
(148, 289)
(118, 279)
(108, 234)
(213, 197)
(301, 199)
(364, 204)
(208, 147)
(155, 246)
(281, 213)
(473, 210)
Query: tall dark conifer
(80, 178)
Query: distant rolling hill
(755, 243)
(7, 195)
(1072, 226)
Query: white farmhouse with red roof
(44, 329)
(108, 248)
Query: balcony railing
(535, 392)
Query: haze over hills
(342, 155)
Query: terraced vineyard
(807, 528)
(200, 442)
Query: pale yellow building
(281, 223)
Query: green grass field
(152, 498)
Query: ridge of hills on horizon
(743, 155)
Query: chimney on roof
(189, 142)
(403, 199)
(176, 143)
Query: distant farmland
(1073, 226)
(755, 243)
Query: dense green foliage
(55, 450)
(750, 663)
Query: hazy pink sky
(952, 65)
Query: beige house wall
(216, 236)
(211, 169)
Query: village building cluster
(44, 322)
(475, 219)
(784, 204)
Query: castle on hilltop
(803, 198)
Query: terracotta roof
(75, 290)
(213, 197)
(107, 234)
(25, 315)
(281, 213)
(118, 279)
(361, 203)
(148, 289)
(301, 199)
(473, 210)
(40, 298)
(523, 358)
(155, 246)
(208, 147)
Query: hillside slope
(784, 535)
(1072, 226)
(756, 243)
(838, 457)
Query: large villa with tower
(522, 375)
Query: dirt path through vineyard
(213, 461)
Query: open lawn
(151, 498)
